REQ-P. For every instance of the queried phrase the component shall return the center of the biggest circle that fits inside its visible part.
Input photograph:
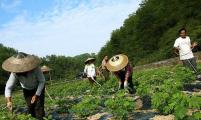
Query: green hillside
(148, 34)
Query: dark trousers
(91, 80)
(191, 63)
(130, 88)
(37, 109)
(105, 74)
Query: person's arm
(85, 69)
(8, 89)
(128, 71)
(176, 50)
(41, 80)
(93, 70)
(176, 47)
(115, 74)
(193, 45)
(119, 80)
(41, 84)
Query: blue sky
(61, 27)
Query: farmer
(104, 69)
(122, 69)
(25, 69)
(46, 71)
(184, 47)
(90, 70)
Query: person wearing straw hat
(104, 69)
(46, 71)
(25, 69)
(122, 69)
(184, 47)
(90, 70)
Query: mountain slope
(149, 34)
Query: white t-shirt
(90, 70)
(184, 44)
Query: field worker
(90, 70)
(25, 69)
(184, 47)
(46, 71)
(122, 69)
(104, 69)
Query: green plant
(197, 116)
(120, 105)
(88, 106)
(24, 117)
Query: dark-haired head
(182, 32)
(182, 29)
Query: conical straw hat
(117, 62)
(45, 68)
(21, 63)
(89, 59)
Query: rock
(138, 104)
(142, 114)
(162, 117)
(100, 116)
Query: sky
(61, 27)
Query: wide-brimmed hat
(89, 59)
(20, 63)
(117, 62)
(45, 68)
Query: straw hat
(20, 63)
(117, 62)
(89, 59)
(45, 68)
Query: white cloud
(64, 31)
(9, 5)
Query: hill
(148, 34)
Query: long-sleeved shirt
(129, 70)
(32, 80)
(90, 70)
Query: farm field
(162, 93)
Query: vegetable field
(160, 91)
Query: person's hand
(34, 99)
(9, 106)
(125, 84)
(194, 44)
(176, 50)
